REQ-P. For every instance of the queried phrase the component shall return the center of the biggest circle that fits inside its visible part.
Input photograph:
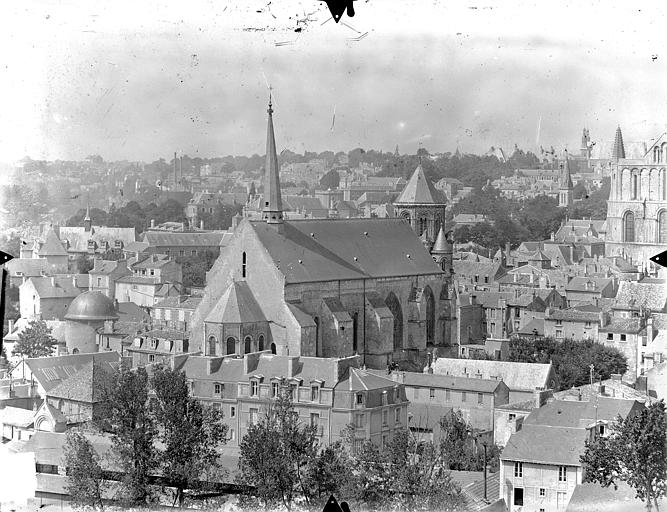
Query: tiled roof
(180, 302)
(515, 375)
(236, 306)
(87, 384)
(435, 380)
(52, 245)
(104, 267)
(194, 239)
(475, 492)
(492, 299)
(573, 315)
(170, 334)
(612, 388)
(535, 325)
(16, 416)
(51, 371)
(589, 284)
(151, 261)
(420, 190)
(359, 380)
(629, 325)
(580, 414)
(132, 279)
(29, 267)
(592, 497)
(645, 293)
(326, 250)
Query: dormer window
(275, 389)
(154, 343)
(360, 399)
(254, 387)
(217, 388)
(384, 398)
(314, 393)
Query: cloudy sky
(138, 80)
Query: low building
(174, 312)
(104, 274)
(188, 244)
(540, 466)
(48, 298)
(578, 323)
(589, 289)
(157, 346)
(522, 379)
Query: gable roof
(27, 267)
(87, 384)
(517, 376)
(78, 237)
(362, 380)
(334, 249)
(420, 190)
(559, 446)
(580, 414)
(434, 380)
(52, 245)
(236, 306)
(56, 287)
(51, 371)
(194, 239)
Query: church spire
(565, 185)
(272, 210)
(86, 220)
(618, 151)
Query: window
(486, 279)
(231, 346)
(629, 227)
(543, 492)
(232, 411)
(273, 348)
(314, 419)
(194, 252)
(99, 281)
(397, 416)
(355, 331)
(314, 393)
(559, 333)
(360, 398)
(154, 343)
(181, 252)
(397, 395)
(559, 322)
(476, 278)
(385, 417)
(384, 398)
(662, 227)
(253, 388)
(275, 389)
(244, 261)
(247, 345)
(562, 473)
(431, 393)
(232, 434)
(260, 342)
(480, 398)
(217, 389)
(561, 500)
(518, 496)
(359, 420)
(292, 391)
(518, 470)
(448, 395)
(610, 335)
(623, 337)
(211, 345)
(463, 396)
(151, 358)
(512, 417)
(252, 416)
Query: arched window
(430, 314)
(629, 227)
(211, 345)
(273, 348)
(75, 351)
(355, 331)
(260, 342)
(406, 216)
(422, 225)
(662, 227)
(635, 180)
(395, 307)
(231, 345)
(244, 261)
(247, 345)
(443, 264)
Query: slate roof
(302, 203)
(236, 306)
(151, 261)
(517, 376)
(16, 416)
(64, 287)
(78, 237)
(29, 267)
(595, 284)
(612, 388)
(576, 414)
(592, 497)
(179, 302)
(51, 371)
(132, 279)
(49, 448)
(104, 267)
(168, 334)
(543, 445)
(573, 315)
(193, 239)
(52, 245)
(535, 324)
(304, 319)
(629, 325)
(492, 299)
(325, 250)
(420, 190)
(360, 380)
(426, 380)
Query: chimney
(11, 326)
(53, 281)
(152, 223)
(649, 330)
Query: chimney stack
(152, 223)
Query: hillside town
(427, 326)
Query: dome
(91, 306)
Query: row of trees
(284, 464)
(157, 429)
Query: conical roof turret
(441, 245)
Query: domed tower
(422, 205)
(87, 313)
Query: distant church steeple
(565, 184)
(272, 210)
(87, 223)
(618, 152)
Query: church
(329, 287)
(637, 205)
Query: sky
(138, 80)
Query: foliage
(459, 448)
(35, 340)
(128, 417)
(85, 483)
(221, 218)
(275, 455)
(595, 205)
(327, 473)
(190, 432)
(11, 244)
(83, 264)
(571, 358)
(635, 452)
(195, 267)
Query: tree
(460, 449)
(635, 452)
(85, 484)
(190, 432)
(128, 417)
(275, 454)
(83, 263)
(35, 340)
(327, 473)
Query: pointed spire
(272, 210)
(87, 223)
(565, 177)
(618, 151)
(440, 245)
